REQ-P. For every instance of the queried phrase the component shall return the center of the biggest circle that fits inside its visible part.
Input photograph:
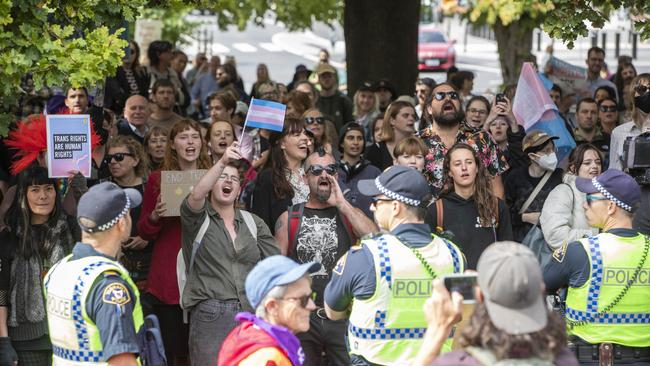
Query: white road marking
(270, 46)
(218, 48)
(244, 47)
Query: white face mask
(547, 162)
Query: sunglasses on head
(442, 95)
(302, 300)
(312, 120)
(641, 89)
(317, 169)
(118, 157)
(607, 108)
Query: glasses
(607, 108)
(375, 200)
(592, 198)
(118, 157)
(480, 112)
(311, 120)
(302, 300)
(232, 178)
(442, 95)
(641, 89)
(317, 169)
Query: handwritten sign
(175, 185)
(68, 144)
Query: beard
(449, 119)
(323, 194)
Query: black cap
(105, 204)
(385, 84)
(400, 183)
(302, 68)
(366, 86)
(351, 126)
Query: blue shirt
(354, 275)
(203, 87)
(113, 316)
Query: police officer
(93, 306)
(608, 298)
(389, 276)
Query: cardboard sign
(571, 78)
(68, 144)
(175, 185)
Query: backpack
(183, 272)
(294, 220)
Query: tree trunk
(514, 42)
(381, 41)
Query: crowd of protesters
(491, 180)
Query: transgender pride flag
(535, 110)
(265, 114)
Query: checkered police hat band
(395, 196)
(609, 196)
(114, 221)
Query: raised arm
(361, 224)
(196, 199)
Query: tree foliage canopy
(561, 19)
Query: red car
(435, 51)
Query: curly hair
(136, 149)
(545, 343)
(486, 202)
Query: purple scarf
(287, 341)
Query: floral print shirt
(488, 152)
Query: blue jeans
(210, 323)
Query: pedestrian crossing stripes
(244, 47)
(271, 47)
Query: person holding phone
(510, 323)
(382, 284)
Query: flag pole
(243, 129)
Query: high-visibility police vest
(75, 337)
(388, 328)
(614, 260)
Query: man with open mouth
(322, 230)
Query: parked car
(435, 51)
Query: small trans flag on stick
(265, 114)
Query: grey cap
(400, 183)
(510, 278)
(105, 204)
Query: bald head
(136, 110)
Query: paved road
(281, 51)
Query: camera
(636, 158)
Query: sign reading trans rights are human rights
(68, 144)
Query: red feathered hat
(30, 138)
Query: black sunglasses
(317, 169)
(375, 200)
(118, 157)
(302, 300)
(608, 108)
(311, 120)
(442, 95)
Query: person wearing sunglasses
(381, 286)
(608, 116)
(443, 131)
(129, 168)
(233, 242)
(608, 295)
(316, 122)
(322, 230)
(279, 289)
(640, 95)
